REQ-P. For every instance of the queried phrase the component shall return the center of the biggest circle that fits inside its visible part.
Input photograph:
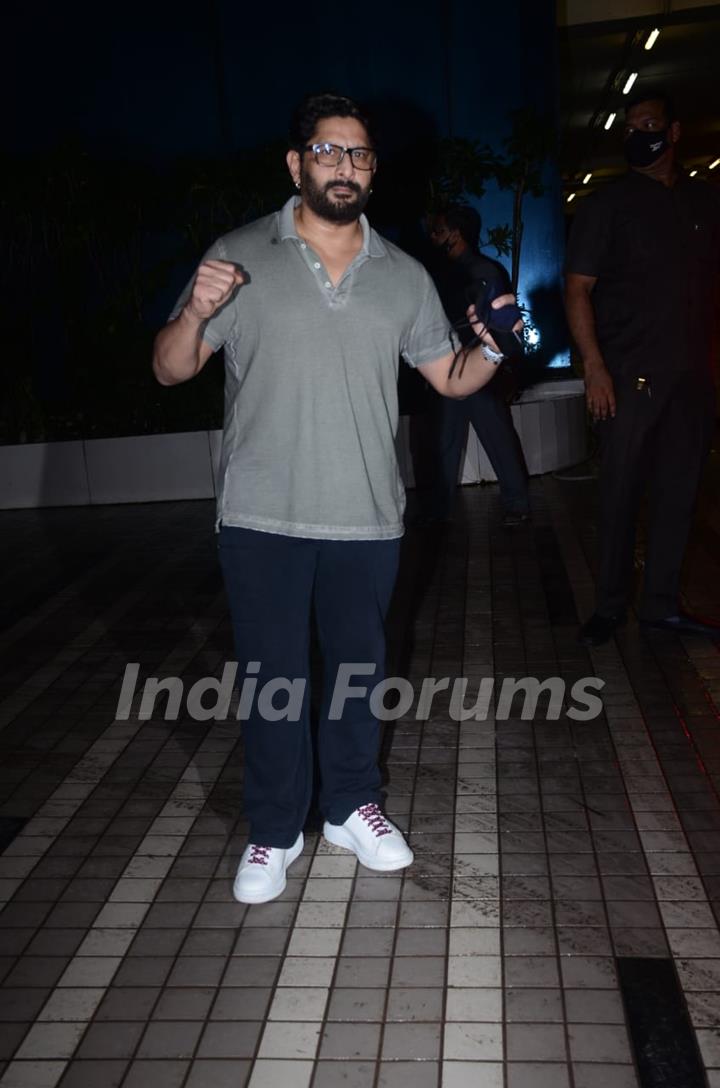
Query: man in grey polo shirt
(314, 310)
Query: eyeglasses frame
(315, 148)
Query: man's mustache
(343, 185)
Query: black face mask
(645, 148)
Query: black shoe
(599, 629)
(513, 518)
(685, 625)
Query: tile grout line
(659, 882)
(41, 832)
(160, 851)
(475, 1044)
(51, 670)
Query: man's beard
(317, 198)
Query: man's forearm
(581, 319)
(178, 350)
(477, 371)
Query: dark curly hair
(316, 107)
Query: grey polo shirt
(311, 407)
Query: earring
(297, 184)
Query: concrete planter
(549, 418)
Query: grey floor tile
(230, 1039)
(356, 1005)
(209, 942)
(348, 1074)
(184, 1004)
(157, 942)
(350, 1041)
(137, 971)
(527, 971)
(529, 941)
(408, 1075)
(601, 1075)
(599, 1043)
(588, 972)
(352, 971)
(36, 971)
(536, 1042)
(240, 1003)
(296, 1041)
(128, 1003)
(368, 942)
(90, 1074)
(414, 1004)
(537, 1075)
(424, 971)
(174, 1039)
(110, 1040)
(261, 942)
(158, 1074)
(256, 971)
(529, 1005)
(594, 1007)
(219, 1073)
(22, 1004)
(409, 1041)
(420, 942)
(197, 971)
(574, 853)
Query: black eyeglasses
(362, 158)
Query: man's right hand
(214, 283)
(599, 392)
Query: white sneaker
(377, 843)
(261, 872)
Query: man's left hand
(482, 330)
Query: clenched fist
(214, 283)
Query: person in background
(455, 234)
(641, 295)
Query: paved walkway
(560, 921)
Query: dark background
(141, 132)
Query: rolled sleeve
(430, 336)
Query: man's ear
(293, 164)
(674, 132)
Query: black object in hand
(500, 322)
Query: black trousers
(654, 447)
(492, 421)
(273, 584)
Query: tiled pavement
(549, 851)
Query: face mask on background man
(645, 148)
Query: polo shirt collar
(373, 245)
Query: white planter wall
(549, 418)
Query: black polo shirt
(454, 279)
(656, 254)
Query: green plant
(464, 168)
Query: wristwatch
(495, 357)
